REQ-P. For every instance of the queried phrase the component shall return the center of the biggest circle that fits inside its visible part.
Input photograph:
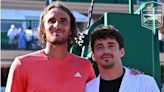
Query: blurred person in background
(160, 40)
(34, 39)
(21, 39)
(12, 35)
(28, 35)
(163, 41)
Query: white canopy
(17, 14)
(11, 14)
(80, 17)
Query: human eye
(112, 47)
(52, 20)
(64, 21)
(99, 48)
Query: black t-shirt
(110, 86)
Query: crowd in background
(23, 39)
(27, 39)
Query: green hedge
(4, 40)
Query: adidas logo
(78, 75)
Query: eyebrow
(52, 18)
(99, 44)
(64, 19)
(111, 43)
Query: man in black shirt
(112, 85)
(108, 49)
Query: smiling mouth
(57, 32)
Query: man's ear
(93, 56)
(122, 51)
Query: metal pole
(90, 13)
(86, 39)
(131, 7)
(48, 2)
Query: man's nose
(56, 24)
(107, 50)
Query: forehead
(105, 41)
(56, 12)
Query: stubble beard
(107, 64)
(59, 41)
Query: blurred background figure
(34, 38)
(21, 39)
(163, 41)
(12, 35)
(28, 35)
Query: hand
(135, 71)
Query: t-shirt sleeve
(16, 80)
(91, 72)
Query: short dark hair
(41, 28)
(106, 32)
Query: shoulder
(79, 59)
(25, 60)
(83, 63)
(93, 83)
(142, 79)
(31, 56)
(147, 82)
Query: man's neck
(56, 51)
(111, 74)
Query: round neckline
(64, 60)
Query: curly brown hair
(41, 28)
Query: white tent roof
(80, 17)
(17, 14)
(29, 14)
(11, 14)
(14, 14)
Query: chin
(107, 65)
(59, 42)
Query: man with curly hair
(52, 69)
